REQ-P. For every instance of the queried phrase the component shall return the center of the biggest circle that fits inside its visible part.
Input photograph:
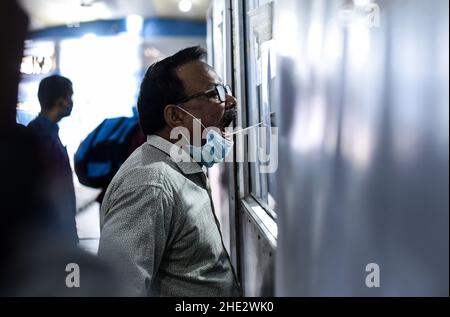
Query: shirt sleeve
(134, 235)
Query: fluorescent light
(185, 5)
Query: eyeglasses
(219, 91)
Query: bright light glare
(134, 23)
(361, 3)
(285, 45)
(185, 5)
(89, 36)
(97, 94)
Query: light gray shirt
(159, 228)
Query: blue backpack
(103, 151)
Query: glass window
(261, 69)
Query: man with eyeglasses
(158, 223)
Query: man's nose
(230, 102)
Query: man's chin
(228, 118)
(68, 113)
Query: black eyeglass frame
(221, 90)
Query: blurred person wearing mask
(55, 97)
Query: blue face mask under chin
(215, 150)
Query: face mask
(215, 150)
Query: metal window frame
(250, 213)
(253, 229)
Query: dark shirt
(58, 182)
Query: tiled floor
(88, 218)
(88, 227)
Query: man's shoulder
(38, 129)
(34, 126)
(47, 141)
(146, 167)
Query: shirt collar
(187, 163)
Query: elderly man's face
(198, 77)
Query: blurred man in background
(55, 96)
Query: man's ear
(172, 116)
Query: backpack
(104, 150)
